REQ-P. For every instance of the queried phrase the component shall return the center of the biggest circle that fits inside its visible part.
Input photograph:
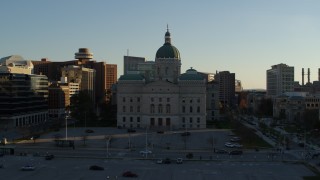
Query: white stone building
(171, 101)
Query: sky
(245, 37)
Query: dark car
(95, 167)
(49, 156)
(89, 131)
(221, 151)
(189, 155)
(167, 161)
(236, 152)
(129, 174)
(131, 130)
(185, 134)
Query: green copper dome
(167, 50)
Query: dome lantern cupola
(167, 50)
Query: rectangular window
(123, 119)
(123, 99)
(168, 99)
(123, 109)
(152, 99)
(138, 108)
(198, 109)
(198, 120)
(191, 120)
(138, 99)
(138, 119)
(183, 120)
(131, 109)
(131, 119)
(160, 99)
(183, 109)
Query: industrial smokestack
(302, 76)
(308, 75)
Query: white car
(27, 168)
(237, 145)
(179, 160)
(229, 144)
(144, 152)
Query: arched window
(168, 108)
(160, 108)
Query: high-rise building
(103, 79)
(226, 82)
(110, 77)
(59, 100)
(280, 79)
(213, 105)
(84, 76)
(130, 64)
(22, 101)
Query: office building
(226, 81)
(280, 79)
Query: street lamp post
(66, 128)
(85, 119)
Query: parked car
(89, 131)
(229, 144)
(159, 161)
(129, 174)
(189, 155)
(237, 145)
(95, 167)
(167, 161)
(49, 156)
(186, 134)
(27, 168)
(179, 160)
(236, 152)
(131, 130)
(235, 139)
(144, 152)
(221, 151)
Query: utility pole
(85, 119)
(146, 141)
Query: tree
(265, 107)
(311, 119)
